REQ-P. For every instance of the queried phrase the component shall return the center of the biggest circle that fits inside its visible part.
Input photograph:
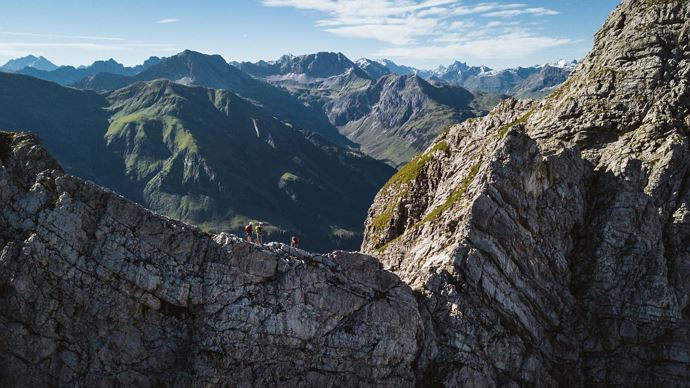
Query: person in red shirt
(248, 229)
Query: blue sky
(422, 33)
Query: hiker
(248, 229)
(258, 230)
(294, 242)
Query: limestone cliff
(97, 291)
(549, 240)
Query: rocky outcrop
(548, 240)
(97, 291)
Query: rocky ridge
(548, 240)
(95, 290)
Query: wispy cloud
(434, 29)
(51, 48)
(57, 36)
(508, 46)
(509, 13)
(43, 43)
(168, 21)
(24, 46)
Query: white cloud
(397, 32)
(433, 29)
(508, 46)
(168, 21)
(509, 13)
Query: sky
(420, 33)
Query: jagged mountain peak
(314, 66)
(373, 69)
(634, 75)
(401, 69)
(32, 61)
(191, 56)
(150, 61)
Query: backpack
(248, 229)
(258, 229)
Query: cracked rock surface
(549, 240)
(97, 291)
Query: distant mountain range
(520, 82)
(30, 61)
(211, 71)
(204, 156)
(389, 111)
(217, 144)
(390, 116)
(67, 75)
(395, 123)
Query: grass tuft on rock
(455, 196)
(503, 131)
(404, 176)
(411, 170)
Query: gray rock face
(97, 291)
(549, 240)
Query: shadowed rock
(548, 240)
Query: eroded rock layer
(549, 240)
(97, 291)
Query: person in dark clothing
(294, 242)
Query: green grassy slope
(201, 155)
